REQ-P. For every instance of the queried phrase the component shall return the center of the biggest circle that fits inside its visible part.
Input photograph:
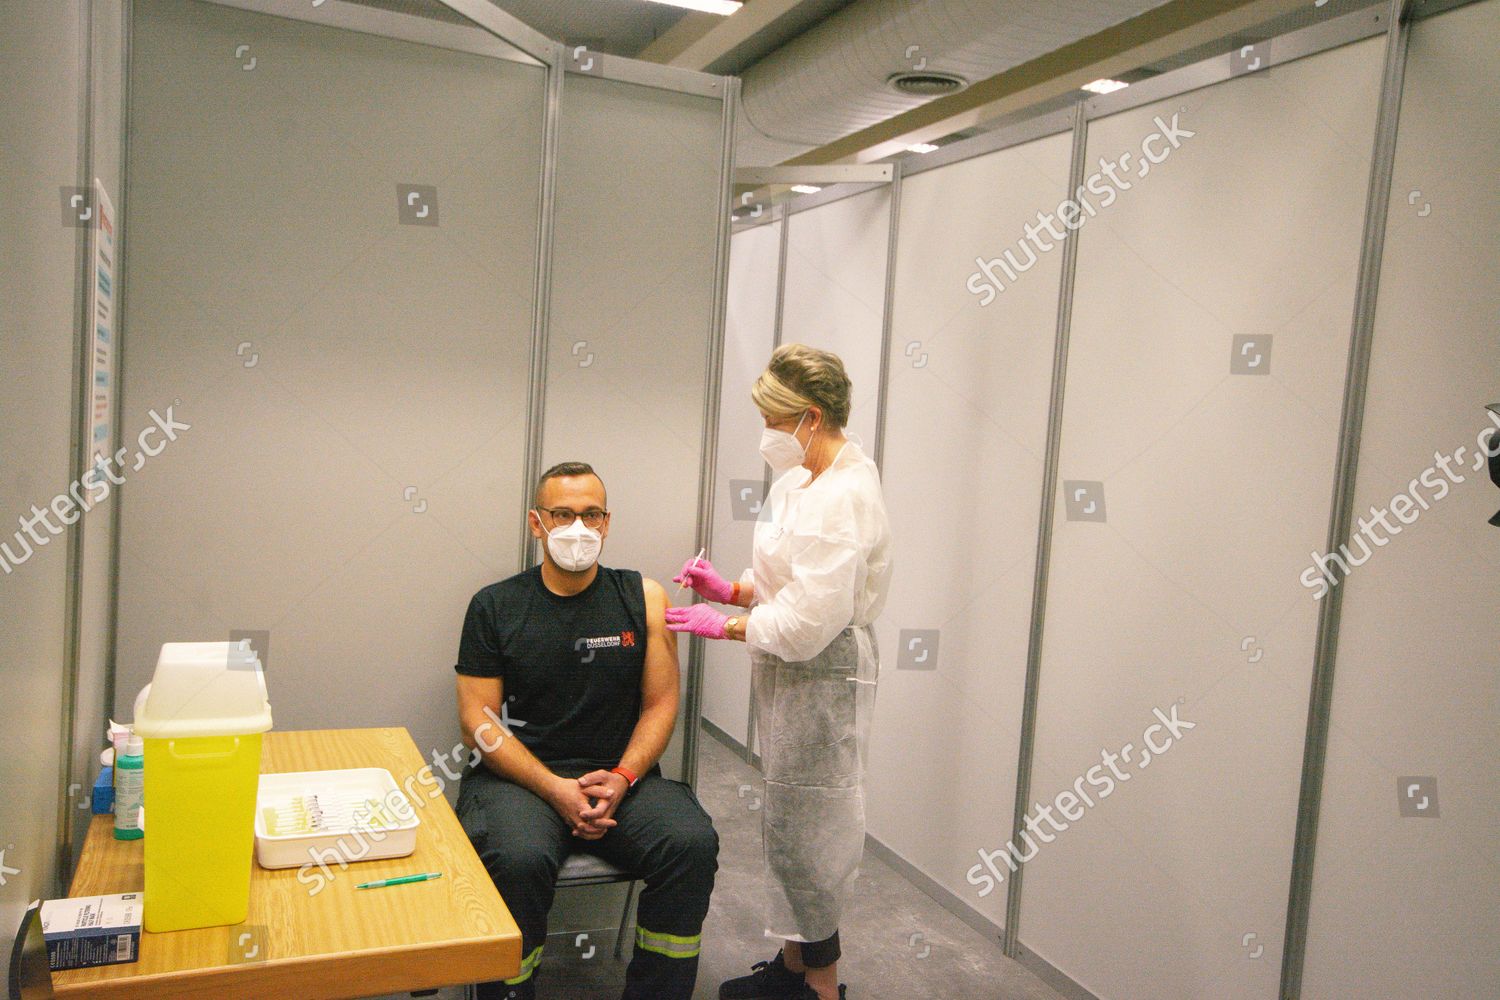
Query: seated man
(580, 656)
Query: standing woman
(821, 572)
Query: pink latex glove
(699, 619)
(702, 577)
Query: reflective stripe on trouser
(662, 967)
(528, 966)
(670, 945)
(814, 718)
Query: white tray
(307, 817)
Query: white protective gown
(821, 570)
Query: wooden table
(337, 943)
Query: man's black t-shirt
(570, 667)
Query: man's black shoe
(770, 981)
(525, 990)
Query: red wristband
(622, 772)
(734, 593)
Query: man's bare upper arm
(659, 679)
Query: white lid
(204, 689)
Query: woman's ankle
(825, 981)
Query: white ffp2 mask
(576, 547)
(782, 451)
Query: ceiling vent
(926, 84)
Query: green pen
(403, 880)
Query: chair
(30, 976)
(586, 869)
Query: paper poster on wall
(102, 298)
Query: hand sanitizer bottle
(130, 782)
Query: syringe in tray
(322, 812)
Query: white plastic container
(204, 689)
(312, 817)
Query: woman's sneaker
(770, 981)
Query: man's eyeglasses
(562, 516)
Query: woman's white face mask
(782, 451)
(574, 548)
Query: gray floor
(898, 943)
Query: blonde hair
(798, 377)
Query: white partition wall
(749, 333)
(1404, 885)
(835, 292)
(39, 256)
(1210, 324)
(965, 437)
(1199, 430)
(633, 326)
(356, 237)
(331, 284)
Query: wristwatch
(730, 624)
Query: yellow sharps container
(201, 718)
